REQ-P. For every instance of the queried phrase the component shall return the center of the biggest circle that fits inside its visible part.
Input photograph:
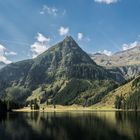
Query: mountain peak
(70, 42)
(69, 38)
(67, 52)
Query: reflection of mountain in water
(70, 126)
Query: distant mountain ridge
(125, 62)
(122, 58)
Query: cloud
(42, 12)
(41, 38)
(49, 10)
(129, 46)
(106, 52)
(10, 53)
(80, 36)
(40, 45)
(63, 30)
(2, 55)
(52, 11)
(106, 1)
(38, 48)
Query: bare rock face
(125, 62)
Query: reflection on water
(70, 126)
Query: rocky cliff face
(126, 62)
(122, 58)
(128, 72)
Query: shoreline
(73, 108)
(60, 108)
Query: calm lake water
(70, 126)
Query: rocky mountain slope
(64, 74)
(125, 62)
(122, 58)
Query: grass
(60, 108)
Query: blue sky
(29, 27)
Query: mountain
(2, 64)
(64, 74)
(122, 58)
(126, 96)
(127, 62)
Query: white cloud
(49, 10)
(80, 36)
(53, 11)
(42, 12)
(2, 55)
(10, 53)
(109, 53)
(106, 1)
(38, 48)
(41, 45)
(63, 30)
(41, 38)
(129, 46)
(106, 52)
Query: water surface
(70, 126)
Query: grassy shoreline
(74, 108)
(60, 108)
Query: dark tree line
(34, 104)
(119, 102)
(9, 105)
(3, 107)
(132, 102)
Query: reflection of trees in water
(130, 123)
(15, 128)
(2, 117)
(58, 126)
(95, 128)
(29, 126)
(68, 126)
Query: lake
(70, 126)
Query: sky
(30, 27)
